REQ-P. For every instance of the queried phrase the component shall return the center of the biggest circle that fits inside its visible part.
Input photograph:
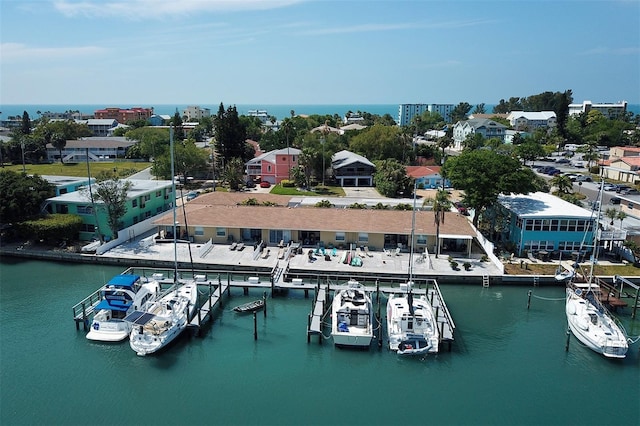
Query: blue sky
(150, 52)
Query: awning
(124, 280)
(456, 237)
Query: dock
(319, 310)
(216, 291)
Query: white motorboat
(590, 322)
(162, 320)
(411, 324)
(120, 296)
(352, 317)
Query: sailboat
(588, 319)
(411, 323)
(163, 319)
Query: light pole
(322, 142)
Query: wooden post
(255, 326)
(245, 290)
(378, 292)
(272, 286)
(306, 293)
(84, 316)
(635, 305)
(264, 299)
(529, 300)
(566, 347)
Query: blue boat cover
(113, 305)
(124, 280)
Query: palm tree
(621, 216)
(611, 214)
(563, 184)
(441, 205)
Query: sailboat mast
(413, 230)
(175, 200)
(595, 231)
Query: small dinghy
(254, 306)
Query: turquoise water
(508, 365)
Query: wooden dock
(216, 291)
(316, 317)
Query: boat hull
(594, 328)
(109, 331)
(352, 318)
(411, 333)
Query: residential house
(487, 128)
(532, 120)
(351, 169)
(273, 166)
(541, 222)
(427, 177)
(624, 169)
(145, 199)
(353, 118)
(101, 126)
(97, 149)
(158, 119)
(509, 135)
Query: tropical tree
(22, 196)
(391, 178)
(378, 142)
(112, 193)
(460, 112)
(26, 124)
(563, 184)
(59, 142)
(234, 173)
(231, 135)
(484, 174)
(441, 205)
(621, 216)
(529, 150)
(612, 214)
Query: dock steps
(485, 281)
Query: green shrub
(287, 183)
(53, 228)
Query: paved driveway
(361, 192)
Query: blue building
(543, 222)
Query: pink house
(273, 166)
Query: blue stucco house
(543, 222)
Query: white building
(260, 113)
(611, 110)
(531, 120)
(489, 129)
(194, 113)
(406, 112)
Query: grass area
(124, 168)
(329, 191)
(627, 270)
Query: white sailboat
(162, 320)
(411, 323)
(588, 319)
(352, 317)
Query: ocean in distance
(280, 111)
(508, 365)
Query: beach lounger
(387, 252)
(233, 246)
(265, 253)
(240, 247)
(281, 243)
(398, 251)
(281, 253)
(531, 258)
(367, 252)
(360, 252)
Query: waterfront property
(145, 199)
(65, 184)
(222, 218)
(541, 222)
(609, 110)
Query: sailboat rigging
(587, 317)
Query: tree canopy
(22, 196)
(391, 178)
(484, 174)
(112, 192)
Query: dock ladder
(536, 280)
(485, 281)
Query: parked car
(583, 178)
(264, 184)
(630, 191)
(622, 189)
(610, 187)
(614, 200)
(191, 195)
(562, 161)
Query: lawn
(320, 191)
(124, 168)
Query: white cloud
(154, 9)
(19, 51)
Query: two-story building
(101, 126)
(609, 110)
(543, 222)
(195, 113)
(489, 129)
(66, 184)
(273, 166)
(532, 120)
(145, 199)
(97, 149)
(351, 169)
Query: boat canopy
(123, 280)
(113, 305)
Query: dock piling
(566, 347)
(255, 326)
(529, 300)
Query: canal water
(508, 365)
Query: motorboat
(352, 317)
(592, 324)
(162, 320)
(253, 306)
(120, 296)
(411, 324)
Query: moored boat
(253, 306)
(352, 317)
(411, 324)
(162, 320)
(120, 296)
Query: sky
(147, 52)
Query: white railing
(488, 248)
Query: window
(340, 236)
(85, 210)
(147, 197)
(199, 230)
(158, 194)
(134, 203)
(421, 240)
(363, 237)
(221, 232)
